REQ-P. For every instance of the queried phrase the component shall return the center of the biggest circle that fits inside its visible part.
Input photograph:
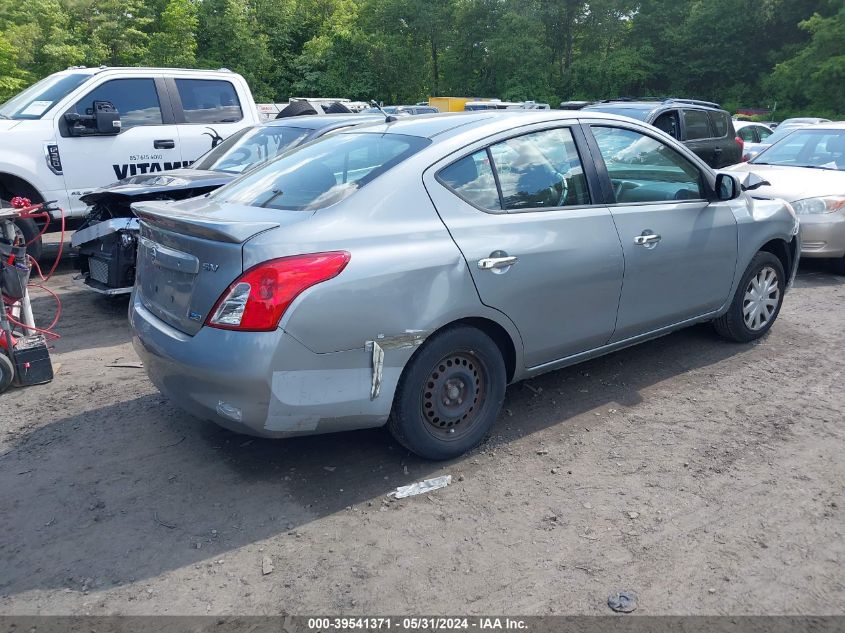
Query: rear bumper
(263, 383)
(823, 235)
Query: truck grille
(99, 270)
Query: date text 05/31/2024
(415, 623)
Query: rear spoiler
(163, 216)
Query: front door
(538, 250)
(207, 112)
(147, 143)
(680, 248)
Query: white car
(807, 169)
(752, 134)
(84, 128)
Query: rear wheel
(757, 301)
(450, 394)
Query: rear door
(207, 111)
(698, 136)
(538, 248)
(726, 147)
(147, 143)
(680, 248)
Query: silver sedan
(405, 273)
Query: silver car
(405, 273)
(807, 168)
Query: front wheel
(450, 394)
(757, 301)
(839, 266)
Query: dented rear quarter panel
(405, 280)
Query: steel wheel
(762, 295)
(454, 394)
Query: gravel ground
(705, 476)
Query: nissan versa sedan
(405, 273)
(807, 168)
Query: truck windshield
(38, 99)
(251, 147)
(321, 173)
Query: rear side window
(747, 134)
(209, 101)
(135, 99)
(473, 180)
(763, 132)
(697, 124)
(720, 123)
(540, 170)
(321, 173)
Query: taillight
(256, 301)
(741, 144)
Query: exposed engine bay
(107, 241)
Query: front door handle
(646, 239)
(497, 261)
(166, 143)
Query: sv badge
(212, 268)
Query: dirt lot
(707, 477)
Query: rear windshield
(641, 114)
(321, 173)
(251, 147)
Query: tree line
(738, 52)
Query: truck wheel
(757, 301)
(449, 394)
(28, 230)
(7, 372)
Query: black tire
(838, 266)
(7, 372)
(450, 394)
(30, 231)
(733, 324)
(296, 108)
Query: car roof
(320, 121)
(446, 125)
(740, 124)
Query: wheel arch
(16, 186)
(782, 250)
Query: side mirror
(102, 119)
(727, 187)
(106, 118)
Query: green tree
(174, 41)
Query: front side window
(209, 101)
(697, 124)
(321, 173)
(135, 99)
(251, 147)
(643, 169)
(763, 132)
(668, 122)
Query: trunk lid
(190, 252)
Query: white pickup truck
(84, 128)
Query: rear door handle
(489, 263)
(165, 143)
(646, 239)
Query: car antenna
(388, 118)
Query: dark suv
(700, 125)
